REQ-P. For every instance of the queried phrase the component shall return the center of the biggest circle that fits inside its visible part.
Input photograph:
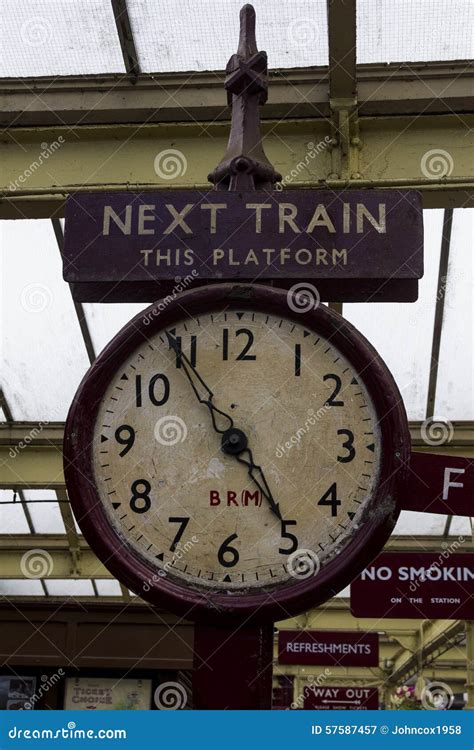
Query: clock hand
(234, 441)
(256, 472)
(191, 371)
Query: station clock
(230, 457)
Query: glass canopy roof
(77, 37)
(44, 357)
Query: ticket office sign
(216, 235)
(344, 649)
(414, 585)
(107, 694)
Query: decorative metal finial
(245, 165)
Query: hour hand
(201, 390)
(234, 442)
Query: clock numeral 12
(152, 386)
(244, 355)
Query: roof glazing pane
(21, 587)
(455, 388)
(184, 35)
(461, 527)
(411, 523)
(402, 333)
(408, 31)
(46, 516)
(44, 357)
(58, 37)
(105, 321)
(12, 516)
(69, 587)
(107, 587)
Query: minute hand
(234, 441)
(201, 390)
(256, 473)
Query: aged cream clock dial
(229, 455)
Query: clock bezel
(290, 598)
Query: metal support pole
(232, 667)
(470, 665)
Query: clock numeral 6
(226, 549)
(140, 501)
(153, 385)
(332, 401)
(330, 498)
(125, 435)
(244, 355)
(286, 535)
(348, 445)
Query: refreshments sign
(414, 585)
(345, 649)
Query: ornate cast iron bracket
(245, 165)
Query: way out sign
(341, 698)
(416, 585)
(355, 245)
(344, 649)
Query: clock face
(234, 450)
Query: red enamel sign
(416, 585)
(341, 698)
(350, 649)
(440, 484)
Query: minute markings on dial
(180, 400)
